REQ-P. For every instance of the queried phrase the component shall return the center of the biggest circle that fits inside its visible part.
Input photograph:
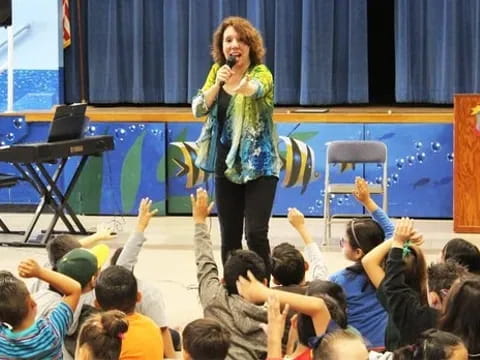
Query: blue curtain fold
(158, 51)
(437, 49)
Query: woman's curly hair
(248, 34)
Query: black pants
(253, 202)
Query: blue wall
(146, 163)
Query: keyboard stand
(51, 196)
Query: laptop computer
(69, 123)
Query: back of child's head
(100, 337)
(59, 246)
(336, 302)
(441, 276)
(340, 345)
(364, 234)
(464, 253)
(238, 263)
(415, 271)
(83, 264)
(460, 315)
(116, 289)
(14, 297)
(206, 339)
(288, 265)
(433, 344)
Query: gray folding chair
(339, 152)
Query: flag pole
(80, 52)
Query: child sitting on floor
(116, 289)
(205, 339)
(100, 337)
(21, 336)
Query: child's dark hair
(116, 288)
(288, 265)
(363, 234)
(102, 334)
(13, 299)
(336, 302)
(441, 276)
(115, 256)
(206, 339)
(433, 344)
(415, 272)
(58, 246)
(238, 263)
(464, 253)
(461, 316)
(327, 351)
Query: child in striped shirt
(23, 337)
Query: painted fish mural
(298, 164)
(195, 176)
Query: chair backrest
(356, 152)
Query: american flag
(66, 23)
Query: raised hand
(296, 218)
(29, 268)
(200, 206)
(276, 326)
(403, 231)
(251, 289)
(145, 214)
(361, 192)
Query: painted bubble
(450, 157)
(421, 157)
(389, 182)
(120, 133)
(418, 145)
(410, 160)
(400, 163)
(435, 146)
(91, 130)
(395, 178)
(18, 123)
(132, 128)
(10, 136)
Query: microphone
(231, 61)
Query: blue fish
(386, 136)
(444, 181)
(421, 182)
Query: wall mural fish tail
(194, 175)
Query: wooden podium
(466, 167)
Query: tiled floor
(167, 258)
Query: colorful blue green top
(249, 131)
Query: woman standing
(239, 141)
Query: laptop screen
(68, 123)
